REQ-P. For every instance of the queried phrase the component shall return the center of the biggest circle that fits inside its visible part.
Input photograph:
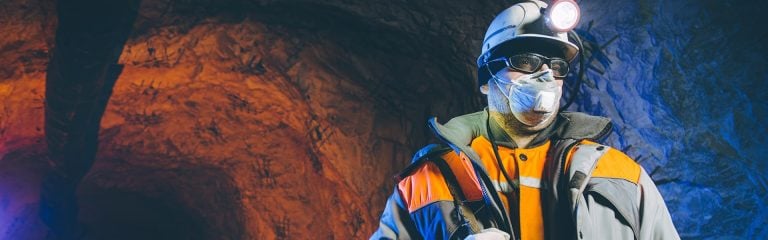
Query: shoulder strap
(431, 151)
(467, 221)
(583, 163)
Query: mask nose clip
(544, 76)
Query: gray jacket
(578, 204)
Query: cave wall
(22, 145)
(287, 119)
(236, 122)
(685, 86)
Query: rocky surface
(685, 86)
(287, 119)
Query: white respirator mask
(533, 98)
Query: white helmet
(531, 25)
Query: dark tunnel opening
(114, 214)
(123, 201)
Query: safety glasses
(531, 62)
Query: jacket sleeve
(431, 221)
(422, 205)
(655, 222)
(395, 222)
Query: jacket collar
(459, 132)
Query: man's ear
(484, 89)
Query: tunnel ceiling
(287, 119)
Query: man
(521, 169)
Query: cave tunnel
(287, 119)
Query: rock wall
(287, 119)
(684, 84)
(241, 126)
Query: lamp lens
(564, 15)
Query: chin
(537, 118)
(540, 121)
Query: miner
(521, 168)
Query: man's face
(498, 102)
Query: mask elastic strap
(497, 79)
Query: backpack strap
(466, 223)
(583, 162)
(466, 219)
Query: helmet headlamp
(563, 15)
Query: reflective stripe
(503, 186)
(530, 182)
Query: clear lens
(559, 67)
(525, 63)
(530, 63)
